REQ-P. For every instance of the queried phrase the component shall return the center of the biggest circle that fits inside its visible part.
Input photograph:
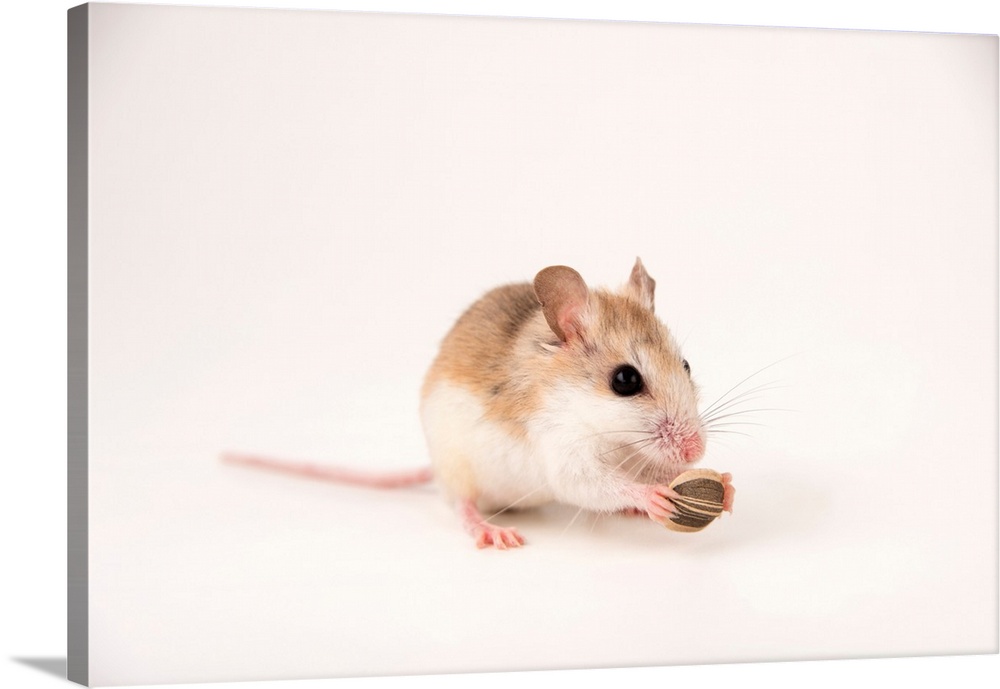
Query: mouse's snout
(693, 447)
(684, 439)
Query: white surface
(629, 542)
(289, 209)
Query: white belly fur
(474, 457)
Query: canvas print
(407, 344)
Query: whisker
(578, 512)
(727, 406)
(713, 431)
(597, 517)
(640, 449)
(748, 378)
(640, 468)
(748, 390)
(730, 406)
(609, 432)
(745, 396)
(742, 411)
(523, 497)
(620, 447)
(735, 423)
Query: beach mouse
(552, 391)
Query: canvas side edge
(77, 665)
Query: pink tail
(388, 479)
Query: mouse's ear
(564, 296)
(640, 286)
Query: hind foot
(486, 534)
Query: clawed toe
(486, 534)
(658, 503)
(729, 493)
(499, 537)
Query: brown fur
(478, 353)
(621, 331)
(504, 351)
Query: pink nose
(692, 447)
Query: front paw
(729, 493)
(658, 503)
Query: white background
(38, 603)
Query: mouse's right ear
(564, 296)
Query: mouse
(552, 391)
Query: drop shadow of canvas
(53, 666)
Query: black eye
(626, 381)
(687, 366)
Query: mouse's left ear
(640, 286)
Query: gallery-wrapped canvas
(500, 283)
